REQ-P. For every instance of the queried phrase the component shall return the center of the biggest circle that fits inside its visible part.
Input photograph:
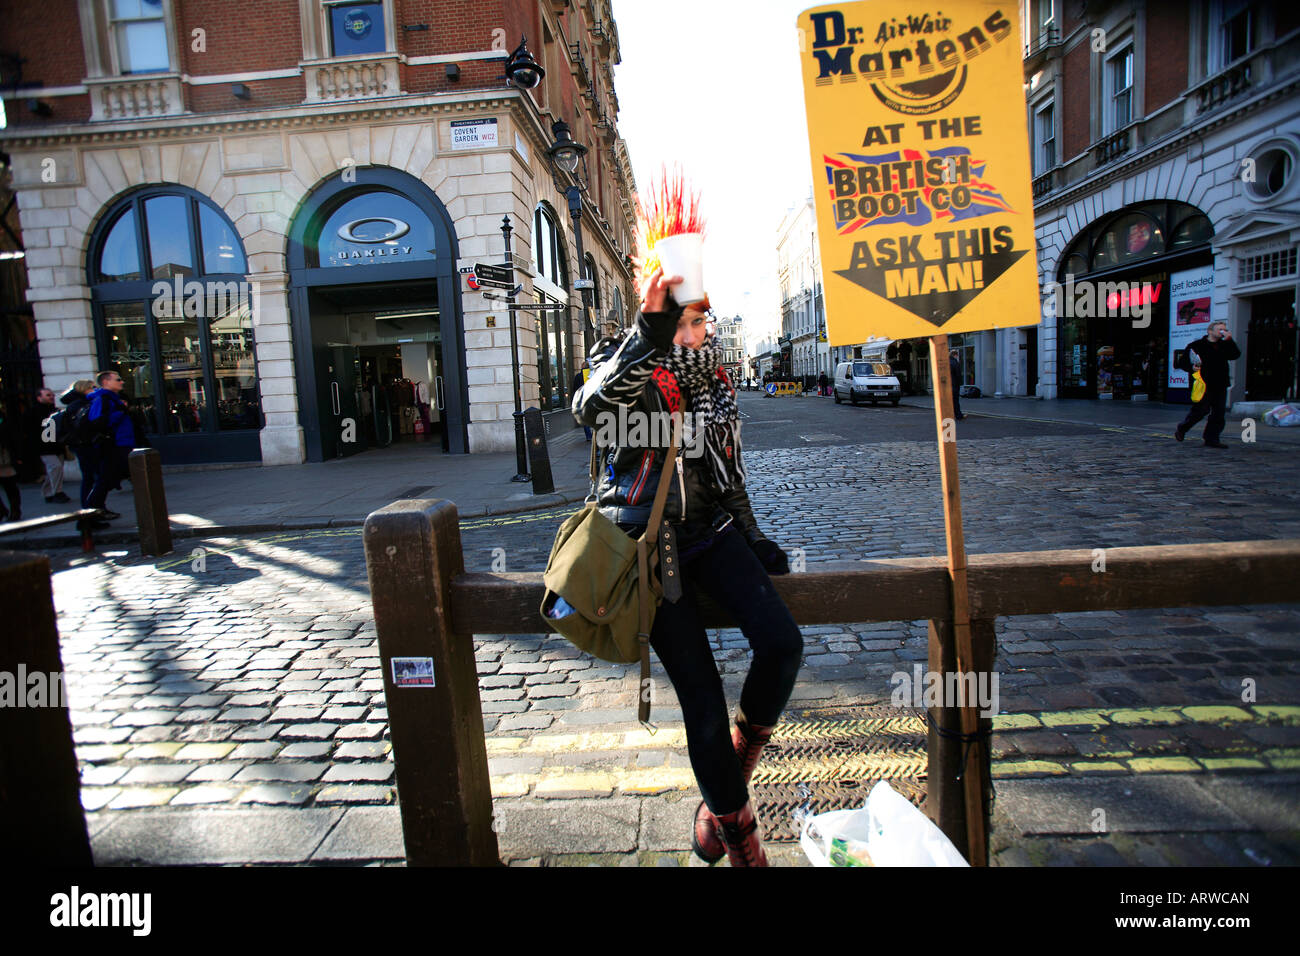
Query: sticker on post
(413, 671)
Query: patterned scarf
(715, 417)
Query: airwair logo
(922, 179)
(917, 64)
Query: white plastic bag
(886, 831)
(1284, 415)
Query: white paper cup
(683, 255)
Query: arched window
(1136, 233)
(619, 315)
(173, 316)
(551, 283)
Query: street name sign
(920, 160)
(498, 277)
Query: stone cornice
(204, 125)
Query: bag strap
(643, 545)
(595, 457)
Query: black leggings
(728, 572)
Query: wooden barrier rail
(150, 509)
(428, 608)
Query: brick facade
(1166, 54)
(1076, 87)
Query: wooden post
(150, 502)
(945, 796)
(412, 553)
(41, 820)
(946, 427)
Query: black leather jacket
(628, 475)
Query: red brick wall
(253, 35)
(51, 45)
(1166, 54)
(217, 98)
(239, 38)
(455, 26)
(1075, 96)
(66, 109)
(50, 40)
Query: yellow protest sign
(920, 158)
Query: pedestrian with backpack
(46, 432)
(76, 404)
(114, 434)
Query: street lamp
(521, 69)
(568, 155)
(521, 452)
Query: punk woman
(669, 363)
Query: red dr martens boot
(739, 833)
(748, 739)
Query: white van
(864, 379)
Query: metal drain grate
(830, 758)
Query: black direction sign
(498, 277)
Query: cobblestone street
(242, 673)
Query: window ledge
(129, 97)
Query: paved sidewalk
(1147, 417)
(250, 499)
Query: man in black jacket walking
(1214, 351)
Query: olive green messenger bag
(605, 577)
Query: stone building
(1165, 138)
(804, 348)
(260, 213)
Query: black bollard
(539, 459)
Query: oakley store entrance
(1132, 293)
(376, 319)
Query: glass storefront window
(184, 391)
(1192, 232)
(188, 358)
(1074, 344)
(129, 354)
(222, 250)
(372, 229)
(234, 368)
(554, 385)
(167, 226)
(119, 257)
(1132, 237)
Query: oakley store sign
(374, 229)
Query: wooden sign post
(972, 759)
(926, 229)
